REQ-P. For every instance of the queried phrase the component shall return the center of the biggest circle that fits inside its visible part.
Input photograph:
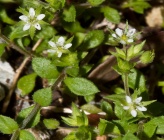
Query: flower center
(124, 37)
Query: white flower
(59, 47)
(31, 20)
(124, 37)
(134, 105)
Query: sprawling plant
(58, 41)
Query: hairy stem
(36, 108)
(126, 86)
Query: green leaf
(91, 108)
(27, 83)
(149, 129)
(125, 126)
(89, 98)
(124, 66)
(136, 80)
(26, 135)
(159, 122)
(18, 32)
(69, 14)
(78, 118)
(111, 14)
(73, 27)
(81, 86)
(7, 125)
(24, 113)
(95, 2)
(4, 17)
(130, 136)
(46, 32)
(43, 96)
(44, 68)
(69, 59)
(56, 3)
(7, 1)
(106, 107)
(84, 133)
(72, 71)
(92, 39)
(106, 127)
(2, 48)
(139, 6)
(51, 123)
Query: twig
(12, 45)
(18, 72)
(12, 88)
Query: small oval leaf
(27, 83)
(25, 135)
(7, 125)
(44, 68)
(81, 86)
(43, 96)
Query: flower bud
(147, 57)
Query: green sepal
(147, 57)
(134, 51)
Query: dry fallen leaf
(155, 17)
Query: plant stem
(9, 43)
(15, 135)
(59, 80)
(126, 86)
(36, 108)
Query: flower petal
(138, 100)
(130, 40)
(51, 51)
(126, 107)
(59, 54)
(114, 35)
(24, 18)
(52, 44)
(131, 32)
(61, 41)
(67, 46)
(40, 17)
(26, 26)
(141, 108)
(37, 26)
(133, 113)
(122, 42)
(32, 12)
(119, 32)
(128, 99)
